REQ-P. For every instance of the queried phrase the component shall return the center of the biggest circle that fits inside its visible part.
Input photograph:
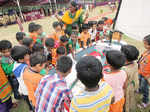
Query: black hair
(131, 52)
(89, 71)
(61, 24)
(20, 36)
(64, 39)
(74, 26)
(100, 22)
(18, 52)
(104, 18)
(115, 58)
(74, 4)
(31, 27)
(37, 58)
(37, 47)
(55, 24)
(147, 39)
(49, 42)
(85, 27)
(64, 64)
(91, 23)
(61, 50)
(27, 42)
(5, 44)
(37, 27)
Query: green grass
(10, 31)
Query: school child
(7, 64)
(131, 68)
(97, 95)
(55, 88)
(93, 30)
(20, 36)
(31, 75)
(5, 93)
(28, 42)
(63, 41)
(100, 33)
(50, 50)
(85, 37)
(144, 73)
(37, 47)
(58, 31)
(61, 51)
(21, 55)
(116, 78)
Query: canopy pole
(56, 4)
(20, 10)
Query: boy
(85, 37)
(116, 78)
(131, 67)
(93, 30)
(53, 91)
(31, 75)
(20, 36)
(144, 73)
(59, 52)
(58, 31)
(63, 41)
(37, 47)
(21, 55)
(28, 42)
(100, 33)
(50, 50)
(97, 95)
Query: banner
(134, 18)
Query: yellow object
(68, 20)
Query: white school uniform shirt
(93, 34)
(22, 87)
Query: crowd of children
(24, 71)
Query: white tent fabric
(134, 18)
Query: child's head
(20, 54)
(57, 26)
(100, 23)
(89, 71)
(49, 43)
(31, 27)
(104, 18)
(60, 51)
(20, 36)
(146, 42)
(131, 52)
(5, 47)
(75, 27)
(92, 24)
(28, 42)
(74, 36)
(64, 65)
(115, 59)
(38, 29)
(85, 28)
(37, 47)
(37, 61)
(64, 40)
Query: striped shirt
(94, 101)
(52, 94)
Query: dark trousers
(6, 106)
(144, 88)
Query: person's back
(116, 78)
(32, 75)
(52, 94)
(97, 96)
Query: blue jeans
(144, 88)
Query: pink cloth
(116, 81)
